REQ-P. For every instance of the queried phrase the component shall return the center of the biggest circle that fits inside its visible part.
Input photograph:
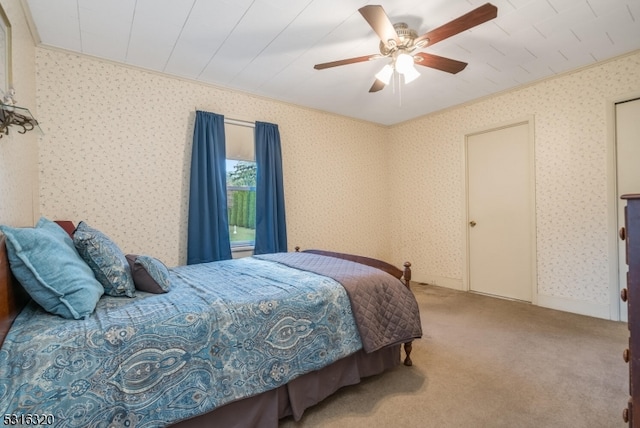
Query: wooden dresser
(630, 233)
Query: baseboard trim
(581, 307)
(442, 281)
(598, 310)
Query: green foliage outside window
(243, 174)
(241, 201)
(242, 212)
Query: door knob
(472, 223)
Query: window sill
(241, 248)
(241, 251)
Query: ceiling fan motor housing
(406, 36)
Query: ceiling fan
(399, 42)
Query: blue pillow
(149, 274)
(45, 262)
(107, 261)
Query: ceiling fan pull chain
(393, 80)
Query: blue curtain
(208, 229)
(271, 229)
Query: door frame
(612, 203)
(529, 120)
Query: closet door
(501, 212)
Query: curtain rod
(236, 121)
(240, 122)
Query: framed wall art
(5, 52)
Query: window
(241, 185)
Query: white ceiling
(269, 47)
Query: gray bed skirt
(292, 399)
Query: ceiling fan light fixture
(410, 75)
(385, 74)
(404, 63)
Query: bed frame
(267, 408)
(12, 296)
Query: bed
(157, 372)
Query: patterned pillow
(149, 274)
(49, 268)
(105, 259)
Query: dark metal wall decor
(10, 113)
(15, 116)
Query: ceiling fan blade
(377, 86)
(469, 20)
(346, 61)
(379, 21)
(438, 62)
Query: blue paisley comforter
(225, 331)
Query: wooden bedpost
(408, 346)
(407, 274)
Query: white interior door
(628, 174)
(500, 212)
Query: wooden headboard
(12, 296)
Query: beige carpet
(488, 362)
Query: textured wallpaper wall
(117, 150)
(118, 141)
(570, 114)
(18, 152)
